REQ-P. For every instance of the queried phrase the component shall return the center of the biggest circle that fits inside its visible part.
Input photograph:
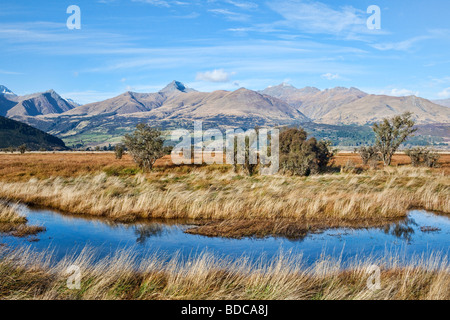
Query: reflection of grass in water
(26, 275)
(11, 222)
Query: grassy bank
(26, 275)
(12, 222)
(228, 204)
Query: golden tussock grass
(369, 197)
(216, 196)
(28, 275)
(12, 222)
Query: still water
(421, 233)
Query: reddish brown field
(399, 160)
(21, 167)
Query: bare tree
(145, 145)
(391, 133)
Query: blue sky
(141, 45)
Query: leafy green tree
(391, 133)
(145, 145)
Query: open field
(27, 275)
(18, 167)
(221, 201)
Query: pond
(420, 233)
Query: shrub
(23, 148)
(423, 156)
(303, 157)
(368, 154)
(119, 150)
(415, 154)
(431, 159)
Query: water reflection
(403, 230)
(66, 234)
(143, 232)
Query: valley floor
(222, 203)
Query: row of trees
(298, 154)
(390, 135)
(22, 149)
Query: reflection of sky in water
(67, 233)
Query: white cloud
(316, 17)
(402, 45)
(444, 93)
(158, 3)
(218, 75)
(10, 72)
(243, 5)
(230, 15)
(331, 76)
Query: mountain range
(177, 105)
(352, 106)
(43, 103)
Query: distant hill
(445, 102)
(42, 103)
(374, 108)
(313, 102)
(342, 106)
(14, 134)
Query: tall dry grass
(370, 197)
(14, 223)
(28, 275)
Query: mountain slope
(313, 102)
(352, 106)
(14, 133)
(373, 108)
(445, 102)
(4, 90)
(127, 103)
(44, 103)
